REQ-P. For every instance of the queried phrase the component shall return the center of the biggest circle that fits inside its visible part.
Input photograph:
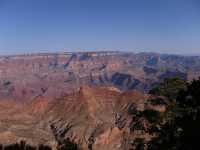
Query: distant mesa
(91, 100)
(23, 77)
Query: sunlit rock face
(86, 97)
(94, 117)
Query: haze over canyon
(85, 96)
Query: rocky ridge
(86, 97)
(25, 77)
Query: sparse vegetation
(67, 144)
(156, 101)
(18, 146)
(170, 88)
(178, 127)
(22, 145)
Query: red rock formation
(45, 98)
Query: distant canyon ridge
(25, 77)
(87, 98)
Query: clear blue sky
(136, 25)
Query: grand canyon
(85, 97)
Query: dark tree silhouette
(139, 144)
(68, 145)
(170, 88)
(181, 127)
(44, 147)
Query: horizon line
(66, 52)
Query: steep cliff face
(95, 118)
(86, 97)
(52, 75)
